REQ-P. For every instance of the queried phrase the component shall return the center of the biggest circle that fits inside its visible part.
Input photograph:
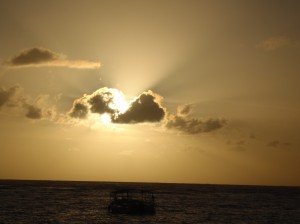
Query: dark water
(86, 202)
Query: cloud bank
(147, 107)
(110, 102)
(42, 57)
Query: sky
(150, 91)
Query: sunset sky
(152, 91)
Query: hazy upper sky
(155, 91)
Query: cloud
(110, 103)
(34, 56)
(274, 43)
(100, 102)
(7, 96)
(42, 57)
(14, 98)
(39, 108)
(79, 109)
(33, 112)
(194, 125)
(183, 123)
(276, 144)
(184, 110)
(145, 108)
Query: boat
(132, 202)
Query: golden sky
(153, 91)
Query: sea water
(86, 202)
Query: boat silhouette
(132, 201)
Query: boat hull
(133, 207)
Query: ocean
(29, 202)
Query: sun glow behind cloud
(105, 119)
(144, 108)
(118, 101)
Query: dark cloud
(100, 103)
(183, 123)
(145, 108)
(34, 56)
(79, 110)
(41, 57)
(7, 95)
(34, 112)
(194, 125)
(39, 112)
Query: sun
(105, 119)
(105, 105)
(118, 101)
